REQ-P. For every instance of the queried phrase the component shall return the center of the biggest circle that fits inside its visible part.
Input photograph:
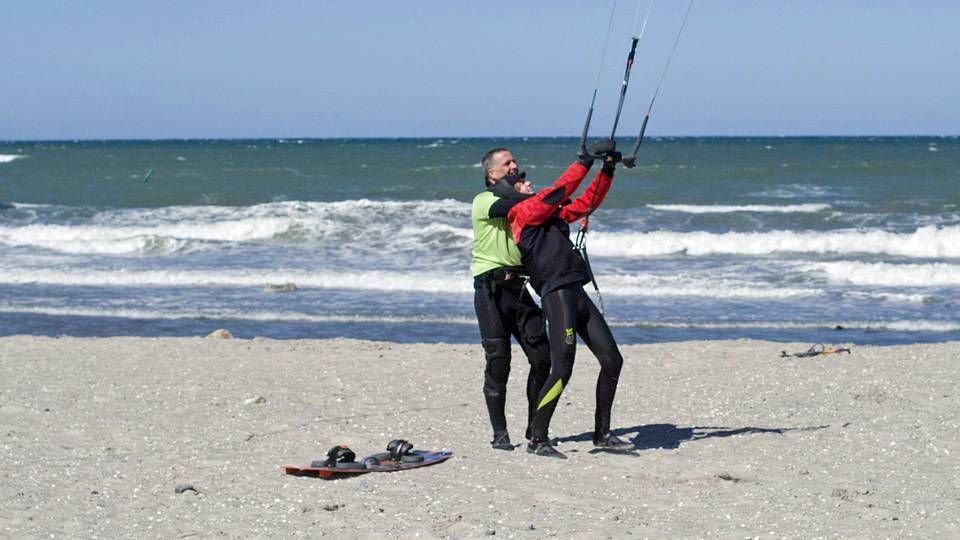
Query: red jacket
(540, 228)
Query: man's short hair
(487, 161)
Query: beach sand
(732, 442)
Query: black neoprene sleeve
(502, 207)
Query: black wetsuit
(558, 274)
(504, 308)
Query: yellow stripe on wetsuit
(553, 394)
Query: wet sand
(732, 442)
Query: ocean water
(835, 240)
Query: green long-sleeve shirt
(493, 245)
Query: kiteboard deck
(430, 457)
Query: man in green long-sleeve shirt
(503, 305)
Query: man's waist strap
(502, 276)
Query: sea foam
(415, 225)
(229, 314)
(890, 275)
(869, 326)
(418, 281)
(653, 285)
(371, 280)
(414, 281)
(925, 242)
(287, 316)
(613, 285)
(722, 209)
(432, 282)
(106, 240)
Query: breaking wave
(925, 242)
(645, 286)
(722, 209)
(285, 316)
(890, 275)
(164, 231)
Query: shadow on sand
(668, 436)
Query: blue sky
(182, 69)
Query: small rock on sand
(258, 400)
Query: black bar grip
(623, 87)
(631, 160)
(583, 154)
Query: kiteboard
(341, 461)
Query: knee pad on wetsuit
(498, 366)
(531, 325)
(496, 348)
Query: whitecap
(880, 296)
(166, 230)
(888, 274)
(245, 315)
(868, 326)
(665, 286)
(926, 242)
(719, 208)
(793, 191)
(437, 282)
(436, 144)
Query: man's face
(503, 164)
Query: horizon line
(466, 137)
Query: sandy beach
(732, 442)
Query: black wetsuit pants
(504, 308)
(571, 313)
